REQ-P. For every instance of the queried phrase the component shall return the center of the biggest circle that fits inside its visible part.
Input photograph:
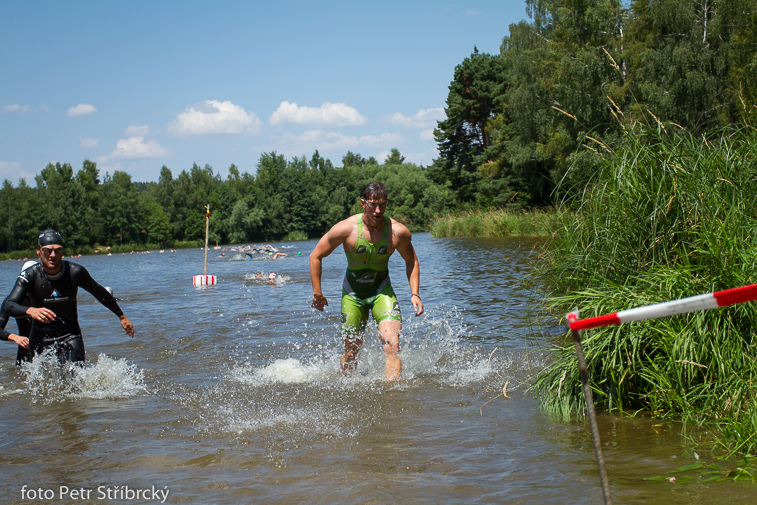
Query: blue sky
(135, 85)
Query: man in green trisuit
(369, 239)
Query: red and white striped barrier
(664, 309)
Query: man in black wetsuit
(52, 286)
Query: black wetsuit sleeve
(12, 304)
(3, 323)
(16, 295)
(80, 276)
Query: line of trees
(526, 121)
(295, 198)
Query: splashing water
(49, 381)
(287, 371)
(432, 348)
(293, 392)
(263, 278)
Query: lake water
(231, 394)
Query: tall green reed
(667, 216)
(495, 223)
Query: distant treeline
(293, 198)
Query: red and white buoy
(204, 280)
(200, 281)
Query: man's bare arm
(337, 235)
(405, 247)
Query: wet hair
(49, 237)
(374, 190)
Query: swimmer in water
(272, 278)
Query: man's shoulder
(345, 227)
(31, 272)
(74, 269)
(400, 231)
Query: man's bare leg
(389, 333)
(352, 344)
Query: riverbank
(496, 223)
(115, 249)
(477, 223)
(665, 217)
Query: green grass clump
(294, 236)
(495, 223)
(667, 216)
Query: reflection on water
(232, 394)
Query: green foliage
(669, 215)
(61, 201)
(292, 200)
(577, 73)
(122, 214)
(394, 158)
(495, 223)
(473, 99)
(157, 227)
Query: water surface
(231, 394)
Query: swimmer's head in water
(49, 237)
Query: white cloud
(13, 171)
(21, 109)
(9, 169)
(385, 139)
(421, 119)
(137, 131)
(214, 117)
(472, 12)
(328, 114)
(425, 158)
(81, 109)
(136, 147)
(318, 139)
(88, 143)
(334, 141)
(427, 135)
